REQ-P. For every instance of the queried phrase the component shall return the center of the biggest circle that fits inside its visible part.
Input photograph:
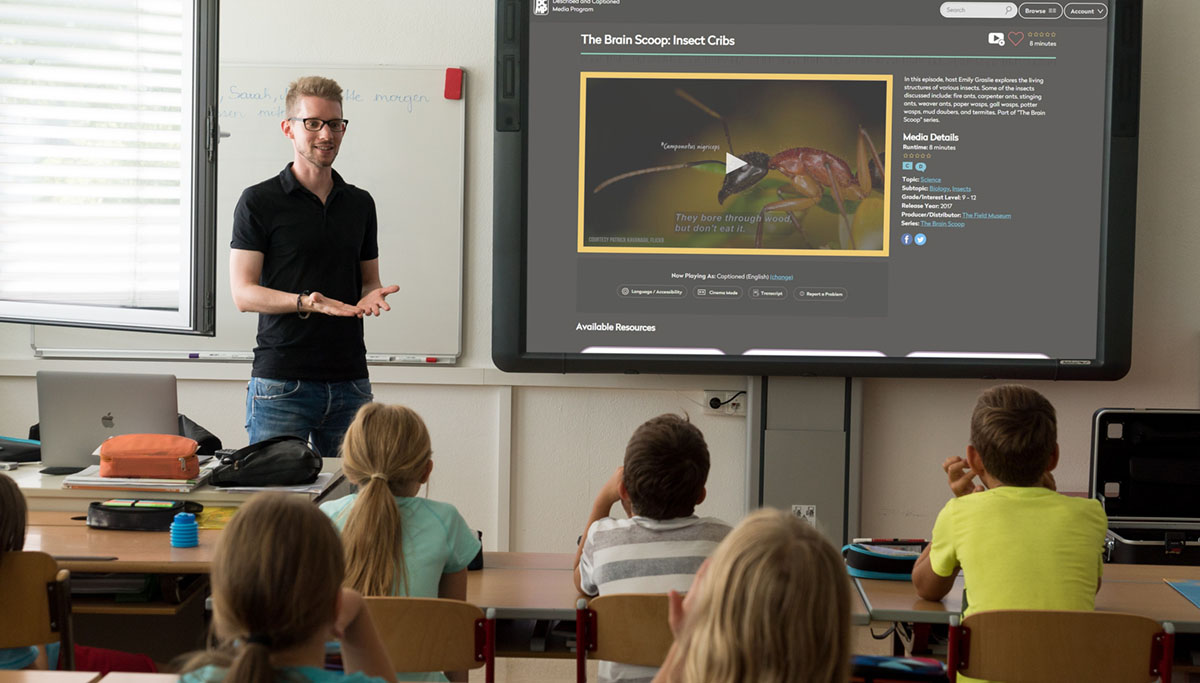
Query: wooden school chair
(627, 628)
(1049, 645)
(37, 604)
(434, 634)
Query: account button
(1087, 10)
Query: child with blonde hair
(772, 605)
(396, 543)
(277, 596)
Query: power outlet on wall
(806, 512)
(724, 402)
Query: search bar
(979, 10)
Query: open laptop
(77, 411)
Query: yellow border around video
(887, 193)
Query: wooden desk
(33, 676)
(542, 586)
(45, 492)
(1137, 589)
(80, 548)
(525, 585)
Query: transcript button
(768, 293)
(651, 292)
(1087, 10)
(821, 293)
(1041, 10)
(718, 292)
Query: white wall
(522, 456)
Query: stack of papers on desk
(89, 478)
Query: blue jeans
(318, 411)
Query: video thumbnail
(734, 163)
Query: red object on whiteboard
(454, 81)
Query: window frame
(196, 313)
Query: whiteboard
(404, 145)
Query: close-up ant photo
(792, 164)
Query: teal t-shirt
(436, 540)
(211, 674)
(17, 657)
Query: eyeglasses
(314, 124)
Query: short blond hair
(1015, 430)
(312, 86)
(385, 451)
(772, 607)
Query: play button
(732, 163)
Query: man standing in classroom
(305, 257)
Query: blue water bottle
(185, 533)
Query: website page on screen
(877, 178)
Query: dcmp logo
(541, 6)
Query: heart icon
(1015, 37)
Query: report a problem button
(820, 293)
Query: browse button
(1087, 10)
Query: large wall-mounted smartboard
(404, 145)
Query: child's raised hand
(611, 491)
(675, 612)
(961, 479)
(349, 608)
(678, 605)
(1048, 482)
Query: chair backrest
(1048, 645)
(630, 628)
(431, 634)
(37, 603)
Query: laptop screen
(77, 411)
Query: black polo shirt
(307, 245)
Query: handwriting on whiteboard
(239, 101)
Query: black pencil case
(135, 514)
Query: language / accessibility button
(1087, 10)
(651, 292)
(820, 293)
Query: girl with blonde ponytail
(772, 605)
(277, 598)
(397, 543)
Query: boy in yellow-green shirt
(1019, 544)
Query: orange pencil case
(157, 456)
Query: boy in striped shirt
(662, 544)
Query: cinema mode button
(1087, 10)
(651, 292)
(820, 293)
(1041, 10)
(768, 293)
(717, 292)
